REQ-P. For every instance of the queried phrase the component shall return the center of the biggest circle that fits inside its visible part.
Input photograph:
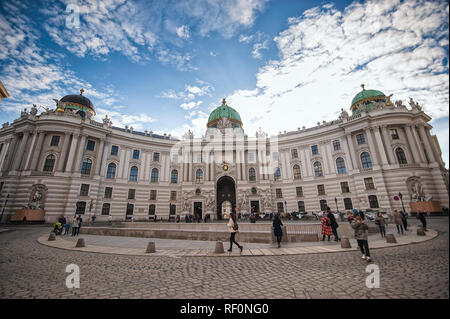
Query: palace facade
(64, 162)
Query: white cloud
(325, 54)
(257, 47)
(190, 105)
(138, 122)
(190, 91)
(183, 32)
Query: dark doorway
(197, 211)
(225, 191)
(254, 204)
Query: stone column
(99, 160)
(323, 154)
(373, 150)
(3, 160)
(416, 138)
(102, 168)
(412, 145)
(37, 151)
(80, 153)
(380, 145)
(427, 143)
(309, 169)
(387, 141)
(72, 151)
(351, 147)
(63, 155)
(348, 157)
(20, 155)
(330, 158)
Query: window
(275, 156)
(279, 193)
(394, 134)
(401, 157)
(199, 176)
(254, 191)
(318, 169)
(81, 208)
(373, 201)
(369, 183)
(301, 206)
(321, 189)
(174, 176)
(360, 139)
(294, 153)
(86, 166)
(155, 157)
(84, 190)
(108, 192)
(131, 193)
(336, 145)
(296, 170)
(151, 209)
(105, 208)
(251, 157)
(299, 191)
(90, 145)
(365, 160)
(172, 209)
(155, 175)
(277, 174)
(153, 194)
(114, 150)
(323, 204)
(49, 163)
(133, 174)
(251, 174)
(348, 203)
(135, 154)
(280, 207)
(130, 209)
(173, 195)
(344, 187)
(111, 171)
(314, 150)
(198, 191)
(340, 165)
(55, 140)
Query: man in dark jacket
(334, 224)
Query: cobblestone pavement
(31, 270)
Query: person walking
(405, 220)
(398, 220)
(334, 224)
(233, 228)
(326, 227)
(381, 222)
(277, 231)
(421, 217)
(110, 219)
(66, 228)
(74, 226)
(80, 220)
(361, 236)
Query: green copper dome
(367, 96)
(224, 111)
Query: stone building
(65, 163)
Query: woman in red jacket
(326, 227)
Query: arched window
(49, 163)
(199, 176)
(133, 174)
(365, 160)
(277, 174)
(86, 166)
(111, 172)
(401, 157)
(155, 175)
(318, 169)
(251, 174)
(297, 174)
(174, 177)
(340, 165)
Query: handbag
(235, 226)
(377, 222)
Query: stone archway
(226, 191)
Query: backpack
(235, 226)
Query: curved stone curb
(176, 253)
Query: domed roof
(78, 99)
(366, 95)
(224, 111)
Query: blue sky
(164, 65)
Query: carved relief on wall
(37, 196)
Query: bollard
(51, 237)
(219, 248)
(80, 243)
(150, 248)
(420, 232)
(390, 239)
(345, 243)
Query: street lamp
(335, 200)
(401, 199)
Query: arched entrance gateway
(226, 195)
